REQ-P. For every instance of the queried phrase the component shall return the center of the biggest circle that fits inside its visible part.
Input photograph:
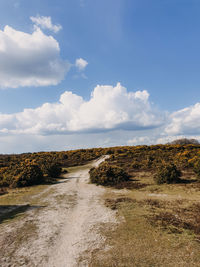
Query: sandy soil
(63, 230)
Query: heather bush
(167, 173)
(107, 174)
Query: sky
(90, 73)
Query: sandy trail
(64, 230)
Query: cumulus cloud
(46, 23)
(108, 108)
(185, 121)
(29, 59)
(81, 64)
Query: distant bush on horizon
(184, 141)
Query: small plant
(196, 168)
(136, 165)
(106, 174)
(167, 174)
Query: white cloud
(185, 121)
(46, 23)
(81, 64)
(108, 108)
(29, 59)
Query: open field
(160, 224)
(135, 222)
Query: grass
(16, 202)
(78, 168)
(159, 225)
(13, 207)
(23, 195)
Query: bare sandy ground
(63, 230)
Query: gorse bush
(196, 168)
(24, 174)
(51, 169)
(130, 158)
(35, 168)
(106, 174)
(30, 175)
(54, 170)
(167, 173)
(136, 165)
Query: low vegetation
(184, 141)
(197, 168)
(132, 159)
(159, 224)
(37, 168)
(167, 174)
(105, 174)
(158, 212)
(24, 174)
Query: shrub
(196, 168)
(184, 141)
(136, 165)
(167, 173)
(106, 174)
(23, 175)
(51, 169)
(54, 170)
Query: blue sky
(148, 46)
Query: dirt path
(62, 230)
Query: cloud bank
(30, 59)
(185, 121)
(112, 116)
(109, 108)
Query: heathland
(143, 211)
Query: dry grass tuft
(130, 185)
(114, 203)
